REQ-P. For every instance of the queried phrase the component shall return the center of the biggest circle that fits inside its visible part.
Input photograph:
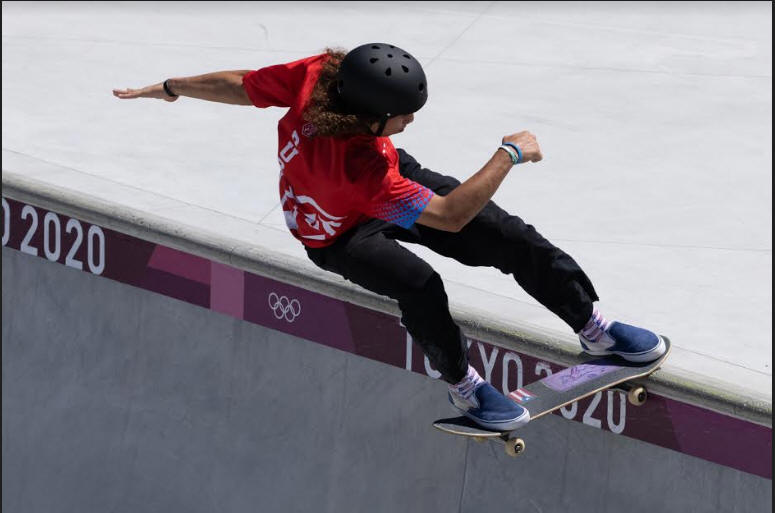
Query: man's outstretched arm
(221, 86)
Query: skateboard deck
(560, 389)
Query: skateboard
(560, 389)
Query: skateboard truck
(636, 394)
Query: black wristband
(167, 90)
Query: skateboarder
(350, 197)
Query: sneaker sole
(504, 425)
(646, 356)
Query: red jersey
(329, 185)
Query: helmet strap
(382, 123)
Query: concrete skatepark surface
(655, 120)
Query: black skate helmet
(382, 80)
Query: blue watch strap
(516, 148)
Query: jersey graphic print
(289, 151)
(404, 211)
(311, 214)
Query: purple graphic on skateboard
(575, 376)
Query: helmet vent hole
(388, 72)
(374, 47)
(406, 57)
(391, 46)
(406, 70)
(373, 60)
(422, 87)
(390, 56)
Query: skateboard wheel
(515, 446)
(637, 396)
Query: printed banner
(89, 248)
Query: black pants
(369, 256)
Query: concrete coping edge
(538, 342)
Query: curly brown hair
(326, 111)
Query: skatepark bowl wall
(154, 366)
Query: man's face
(394, 125)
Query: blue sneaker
(630, 342)
(490, 409)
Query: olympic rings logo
(284, 308)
